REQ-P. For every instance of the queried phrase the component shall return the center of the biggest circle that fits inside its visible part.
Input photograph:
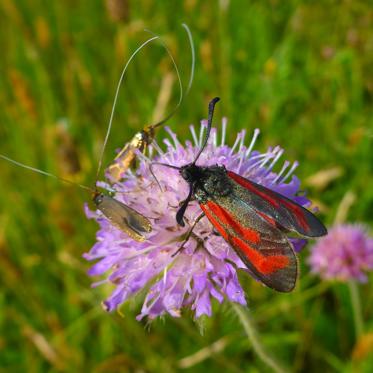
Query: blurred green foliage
(299, 70)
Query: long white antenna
(191, 77)
(45, 173)
(193, 52)
(115, 101)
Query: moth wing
(123, 161)
(262, 247)
(125, 218)
(277, 208)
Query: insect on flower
(120, 215)
(141, 140)
(251, 218)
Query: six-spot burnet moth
(252, 219)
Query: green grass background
(301, 71)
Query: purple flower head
(346, 253)
(207, 267)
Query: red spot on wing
(274, 200)
(226, 218)
(267, 218)
(264, 264)
(214, 222)
(248, 185)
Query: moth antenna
(155, 178)
(209, 124)
(191, 76)
(165, 165)
(179, 81)
(193, 53)
(160, 164)
(115, 101)
(45, 173)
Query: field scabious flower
(346, 253)
(207, 267)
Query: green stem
(252, 336)
(356, 308)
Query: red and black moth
(252, 219)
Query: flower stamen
(279, 154)
(194, 135)
(292, 169)
(223, 130)
(253, 141)
(283, 169)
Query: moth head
(190, 172)
(98, 198)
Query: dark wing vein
(281, 209)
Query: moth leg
(188, 234)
